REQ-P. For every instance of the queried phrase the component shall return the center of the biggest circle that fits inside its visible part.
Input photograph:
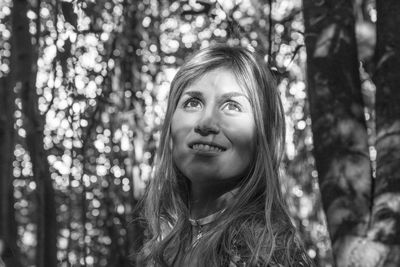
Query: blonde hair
(258, 216)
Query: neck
(206, 199)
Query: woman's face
(213, 129)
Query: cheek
(243, 134)
(246, 145)
(180, 129)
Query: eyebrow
(225, 96)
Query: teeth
(206, 147)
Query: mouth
(206, 147)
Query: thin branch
(270, 33)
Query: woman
(215, 197)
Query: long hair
(256, 220)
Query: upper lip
(191, 144)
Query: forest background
(83, 88)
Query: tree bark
(8, 227)
(23, 73)
(339, 129)
(130, 64)
(385, 226)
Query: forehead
(218, 81)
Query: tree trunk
(23, 73)
(339, 130)
(130, 64)
(8, 228)
(385, 227)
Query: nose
(207, 123)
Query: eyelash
(235, 104)
(198, 101)
(192, 99)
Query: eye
(232, 106)
(192, 104)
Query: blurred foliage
(104, 70)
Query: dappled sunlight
(349, 162)
(103, 74)
(385, 218)
(360, 251)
